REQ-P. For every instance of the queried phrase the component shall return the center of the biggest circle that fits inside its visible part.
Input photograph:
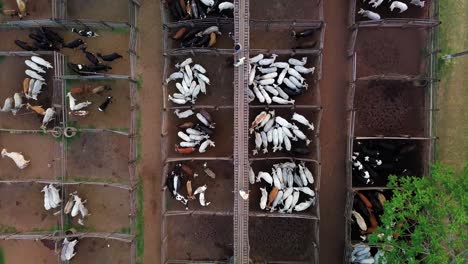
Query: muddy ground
(390, 108)
(282, 239)
(219, 70)
(109, 208)
(262, 36)
(117, 114)
(96, 250)
(384, 11)
(40, 149)
(104, 10)
(107, 42)
(222, 136)
(266, 10)
(22, 209)
(199, 237)
(41, 9)
(12, 74)
(14, 252)
(101, 156)
(404, 51)
(219, 192)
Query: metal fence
(427, 141)
(61, 123)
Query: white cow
(18, 158)
(369, 14)
(397, 4)
(68, 249)
(418, 3)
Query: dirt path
(150, 66)
(333, 133)
(452, 119)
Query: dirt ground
(14, 252)
(219, 191)
(117, 114)
(224, 131)
(12, 74)
(115, 10)
(199, 238)
(22, 209)
(266, 10)
(281, 239)
(99, 156)
(384, 10)
(109, 208)
(390, 108)
(39, 149)
(95, 250)
(404, 51)
(41, 9)
(263, 37)
(221, 73)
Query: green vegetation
(5, 229)
(2, 257)
(52, 229)
(2, 58)
(124, 230)
(139, 81)
(139, 144)
(1, 11)
(425, 221)
(140, 222)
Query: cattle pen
(96, 159)
(402, 86)
(233, 228)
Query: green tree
(425, 221)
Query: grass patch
(140, 247)
(124, 230)
(2, 257)
(139, 144)
(52, 229)
(5, 229)
(139, 82)
(2, 58)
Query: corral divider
(59, 20)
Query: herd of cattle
(402, 7)
(199, 9)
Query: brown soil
(117, 114)
(333, 134)
(98, 157)
(219, 191)
(267, 10)
(218, 69)
(199, 237)
(404, 51)
(12, 74)
(390, 108)
(222, 136)
(94, 250)
(263, 37)
(22, 208)
(384, 11)
(104, 10)
(40, 149)
(109, 208)
(14, 252)
(41, 9)
(281, 239)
